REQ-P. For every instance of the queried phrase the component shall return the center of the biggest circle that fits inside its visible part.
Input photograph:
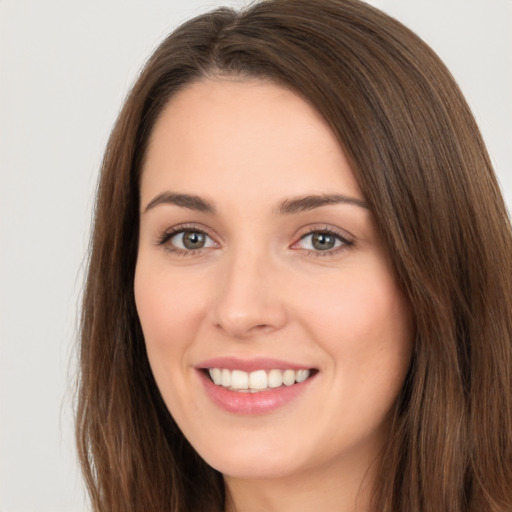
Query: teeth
(238, 380)
(275, 378)
(216, 376)
(257, 379)
(302, 375)
(289, 378)
(225, 379)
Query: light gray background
(64, 69)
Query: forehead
(221, 137)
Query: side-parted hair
(420, 161)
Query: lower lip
(248, 403)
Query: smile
(256, 381)
(254, 386)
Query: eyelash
(345, 242)
(168, 235)
(184, 228)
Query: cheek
(371, 350)
(358, 304)
(364, 323)
(169, 309)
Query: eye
(191, 240)
(322, 241)
(183, 240)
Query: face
(274, 327)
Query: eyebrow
(287, 207)
(189, 201)
(306, 203)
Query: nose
(249, 301)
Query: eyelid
(169, 233)
(347, 240)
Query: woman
(300, 279)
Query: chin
(255, 470)
(258, 463)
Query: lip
(247, 403)
(250, 365)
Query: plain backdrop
(65, 67)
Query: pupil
(193, 240)
(323, 242)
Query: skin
(259, 288)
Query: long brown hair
(425, 173)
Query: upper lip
(250, 365)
